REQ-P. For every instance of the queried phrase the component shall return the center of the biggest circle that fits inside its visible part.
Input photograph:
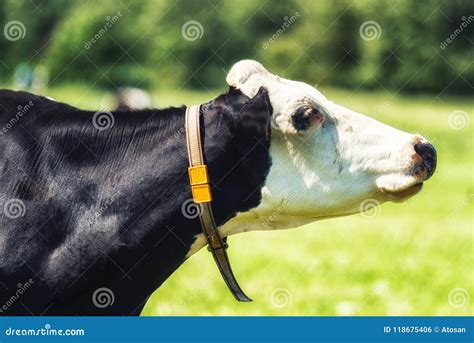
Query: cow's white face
(326, 159)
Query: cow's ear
(241, 72)
(255, 115)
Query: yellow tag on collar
(199, 181)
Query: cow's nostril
(427, 152)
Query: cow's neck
(157, 229)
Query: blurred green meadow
(414, 258)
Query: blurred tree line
(397, 45)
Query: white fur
(327, 171)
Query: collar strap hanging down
(201, 191)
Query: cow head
(326, 159)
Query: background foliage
(409, 259)
(322, 46)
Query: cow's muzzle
(425, 160)
(422, 168)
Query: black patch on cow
(300, 119)
(104, 208)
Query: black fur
(103, 208)
(301, 118)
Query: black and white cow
(95, 205)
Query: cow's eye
(306, 117)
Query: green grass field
(415, 258)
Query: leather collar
(202, 195)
